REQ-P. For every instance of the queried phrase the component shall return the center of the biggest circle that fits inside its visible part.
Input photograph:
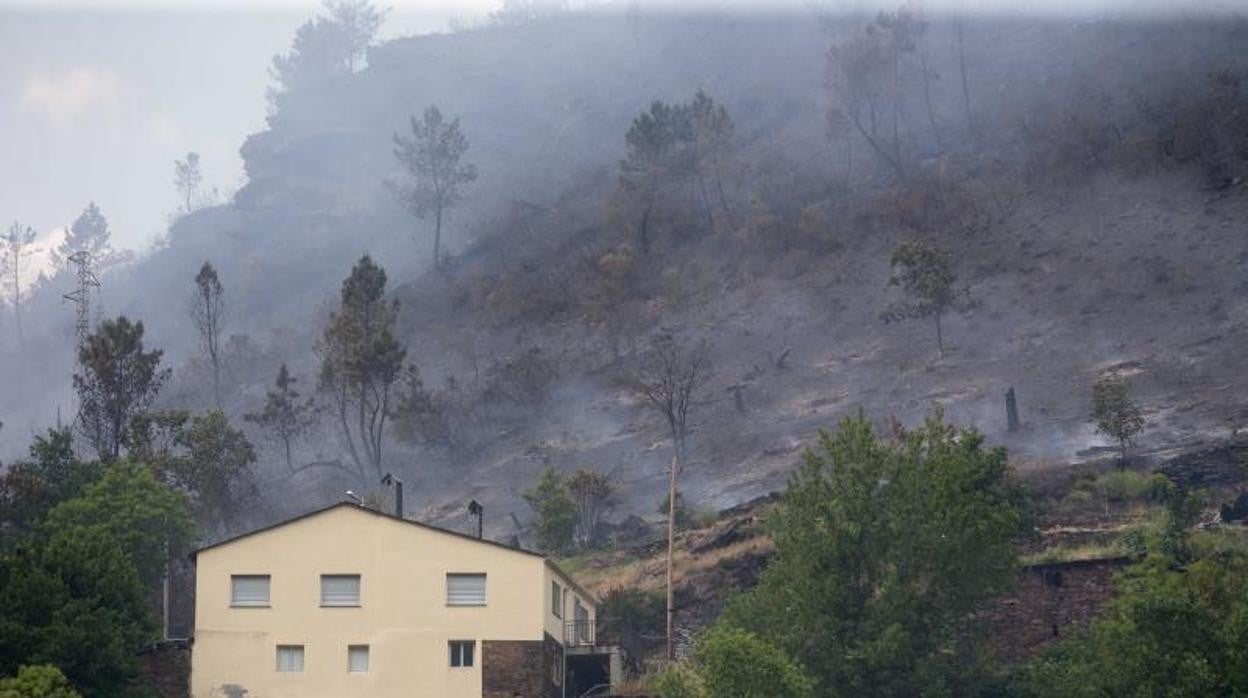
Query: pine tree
(432, 159)
(361, 360)
(284, 416)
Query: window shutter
(357, 659)
(340, 590)
(249, 590)
(465, 589)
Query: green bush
(1172, 631)
(733, 663)
(1133, 486)
(38, 681)
(680, 681)
(738, 664)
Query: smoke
(800, 271)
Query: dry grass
(601, 572)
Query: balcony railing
(579, 633)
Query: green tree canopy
(38, 681)
(926, 275)
(52, 474)
(883, 549)
(217, 470)
(361, 360)
(1115, 414)
(285, 417)
(1172, 631)
(149, 521)
(556, 512)
(732, 663)
(116, 381)
(73, 600)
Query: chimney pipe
(398, 492)
(476, 510)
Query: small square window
(340, 590)
(290, 658)
(357, 659)
(556, 599)
(461, 652)
(249, 590)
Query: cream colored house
(348, 601)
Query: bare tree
(208, 314)
(593, 495)
(669, 379)
(432, 158)
(959, 28)
(187, 179)
(15, 248)
(713, 132)
(856, 69)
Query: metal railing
(579, 633)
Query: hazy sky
(98, 97)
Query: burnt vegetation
(1046, 196)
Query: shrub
(38, 681)
(680, 681)
(738, 664)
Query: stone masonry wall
(166, 668)
(1049, 601)
(519, 668)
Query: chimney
(477, 511)
(398, 492)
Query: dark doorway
(587, 672)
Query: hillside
(1088, 240)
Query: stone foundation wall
(520, 668)
(166, 668)
(1049, 602)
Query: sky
(99, 97)
(97, 100)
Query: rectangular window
(461, 652)
(340, 590)
(465, 589)
(357, 659)
(249, 590)
(556, 599)
(290, 658)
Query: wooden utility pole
(671, 544)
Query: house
(348, 601)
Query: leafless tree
(593, 495)
(15, 248)
(669, 379)
(208, 314)
(856, 69)
(188, 179)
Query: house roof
(428, 527)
